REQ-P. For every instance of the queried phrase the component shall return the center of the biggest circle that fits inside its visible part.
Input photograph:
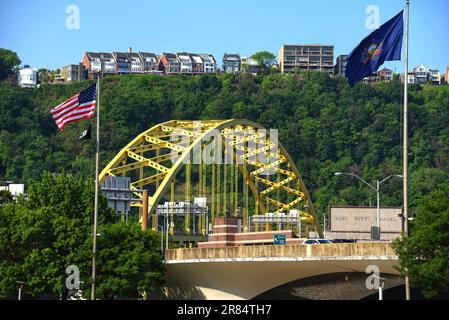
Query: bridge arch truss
(155, 157)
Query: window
(324, 241)
(310, 242)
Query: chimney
(130, 50)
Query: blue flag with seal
(383, 44)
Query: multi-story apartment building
(73, 73)
(185, 63)
(340, 66)
(108, 63)
(98, 63)
(169, 63)
(92, 63)
(209, 63)
(135, 62)
(122, 63)
(307, 57)
(149, 62)
(197, 63)
(146, 62)
(231, 63)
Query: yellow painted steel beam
(272, 183)
(275, 202)
(149, 162)
(180, 131)
(166, 144)
(283, 171)
(253, 188)
(148, 180)
(266, 167)
(165, 157)
(255, 152)
(248, 138)
(146, 147)
(278, 188)
(128, 167)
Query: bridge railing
(283, 251)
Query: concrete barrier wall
(324, 250)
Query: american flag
(80, 106)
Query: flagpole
(405, 142)
(97, 160)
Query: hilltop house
(231, 63)
(210, 65)
(197, 63)
(122, 63)
(185, 62)
(149, 62)
(169, 63)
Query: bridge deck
(340, 251)
(247, 271)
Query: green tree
(5, 197)
(9, 61)
(128, 264)
(265, 59)
(424, 255)
(50, 229)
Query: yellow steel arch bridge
(236, 164)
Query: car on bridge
(317, 241)
(344, 241)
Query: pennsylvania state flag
(383, 44)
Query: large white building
(27, 77)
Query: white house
(27, 77)
(421, 74)
(210, 65)
(185, 62)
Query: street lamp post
(20, 286)
(324, 224)
(166, 231)
(376, 188)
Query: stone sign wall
(360, 219)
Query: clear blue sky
(37, 31)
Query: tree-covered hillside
(324, 124)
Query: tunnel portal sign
(280, 239)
